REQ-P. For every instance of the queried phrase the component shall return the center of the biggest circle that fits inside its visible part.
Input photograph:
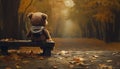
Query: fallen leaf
(25, 62)
(18, 67)
(60, 57)
(109, 61)
(71, 65)
(55, 67)
(95, 56)
(63, 52)
(104, 66)
(78, 59)
(72, 62)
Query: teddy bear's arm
(47, 34)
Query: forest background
(98, 19)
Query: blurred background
(99, 19)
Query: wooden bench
(47, 47)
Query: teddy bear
(38, 31)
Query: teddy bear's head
(38, 19)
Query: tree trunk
(10, 18)
(117, 28)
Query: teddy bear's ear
(29, 15)
(44, 16)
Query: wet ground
(68, 54)
(63, 60)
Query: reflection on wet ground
(63, 60)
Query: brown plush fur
(39, 19)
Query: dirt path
(68, 54)
(85, 44)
